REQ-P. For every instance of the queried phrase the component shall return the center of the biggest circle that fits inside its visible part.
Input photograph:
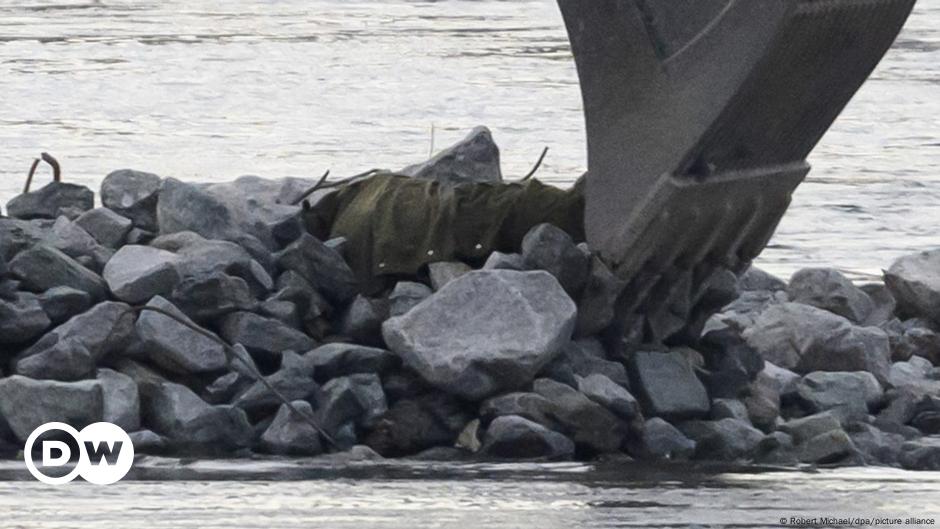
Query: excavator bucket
(700, 115)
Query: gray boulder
(176, 347)
(668, 386)
(804, 338)
(589, 424)
(43, 267)
(294, 380)
(291, 435)
(829, 447)
(486, 332)
(262, 336)
(67, 237)
(921, 455)
(914, 376)
(661, 440)
(730, 409)
(133, 194)
(107, 227)
(783, 380)
(209, 296)
(855, 392)
(829, 289)
(52, 201)
(341, 359)
(877, 447)
(547, 247)
(26, 404)
(64, 360)
(755, 279)
(473, 159)
(61, 303)
(362, 320)
(22, 319)
(504, 261)
(406, 296)
(723, 440)
(806, 428)
(137, 273)
(78, 344)
(200, 257)
(914, 280)
(614, 397)
(513, 437)
(121, 399)
(191, 424)
(532, 406)
(322, 266)
(444, 272)
(586, 357)
(358, 399)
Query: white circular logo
(105, 453)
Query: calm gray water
(210, 90)
(301, 494)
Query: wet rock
(856, 391)
(598, 300)
(26, 404)
(84, 339)
(668, 387)
(661, 440)
(322, 267)
(549, 248)
(914, 280)
(107, 227)
(806, 428)
(121, 399)
(292, 435)
(473, 159)
(294, 381)
(514, 437)
(132, 194)
(614, 397)
(42, 267)
(826, 448)
(362, 321)
(504, 261)
(412, 425)
(444, 272)
(487, 332)
(340, 359)
(756, 279)
(137, 273)
(176, 347)
(829, 289)
(357, 399)
(61, 303)
(63, 360)
(589, 424)
(22, 319)
(191, 424)
(52, 201)
(265, 337)
(209, 296)
(722, 440)
(805, 339)
(406, 296)
(730, 409)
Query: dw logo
(105, 453)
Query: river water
(210, 90)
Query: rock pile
(526, 357)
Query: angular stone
(357, 399)
(134, 195)
(22, 319)
(224, 388)
(51, 201)
(661, 440)
(292, 435)
(547, 247)
(341, 359)
(877, 447)
(783, 380)
(322, 267)
(514, 437)
(193, 425)
(587, 423)
(806, 428)
(856, 391)
(829, 289)
(473, 159)
(138, 273)
(104, 329)
(362, 321)
(42, 267)
(106, 226)
(504, 261)
(914, 280)
(730, 409)
(75, 242)
(828, 447)
(598, 300)
(586, 357)
(756, 279)
(723, 440)
(176, 347)
(200, 257)
(64, 360)
(61, 303)
(614, 397)
(209, 296)
(121, 399)
(487, 332)
(805, 339)
(294, 381)
(668, 386)
(444, 272)
(406, 296)
(263, 336)
(26, 404)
